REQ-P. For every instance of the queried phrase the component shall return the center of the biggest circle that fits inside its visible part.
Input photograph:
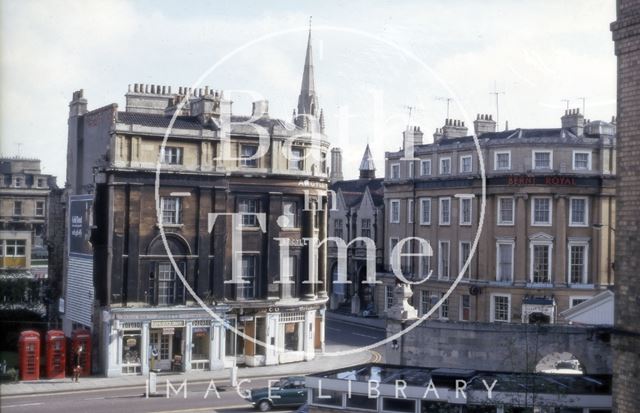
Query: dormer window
(18, 182)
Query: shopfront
(165, 343)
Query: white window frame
(461, 164)
(421, 308)
(461, 260)
(578, 297)
(422, 203)
(585, 223)
(462, 200)
(171, 152)
(296, 160)
(424, 162)
(513, 211)
(585, 265)
(445, 302)
(36, 212)
(513, 248)
(573, 160)
(461, 307)
(393, 202)
(410, 211)
(177, 201)
(392, 245)
(533, 160)
(292, 216)
(549, 244)
(533, 212)
(440, 169)
(392, 168)
(388, 296)
(441, 276)
(493, 308)
(496, 167)
(440, 201)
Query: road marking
(365, 335)
(23, 405)
(333, 328)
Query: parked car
(288, 391)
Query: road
(200, 396)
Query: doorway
(163, 344)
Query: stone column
(560, 242)
(144, 349)
(273, 247)
(308, 252)
(187, 356)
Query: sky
(373, 61)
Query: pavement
(320, 363)
(343, 333)
(371, 322)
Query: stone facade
(626, 340)
(24, 205)
(548, 225)
(357, 211)
(212, 163)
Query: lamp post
(598, 226)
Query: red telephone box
(29, 355)
(81, 340)
(56, 354)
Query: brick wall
(626, 342)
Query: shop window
(362, 401)
(200, 340)
(326, 397)
(398, 405)
(131, 344)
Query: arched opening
(560, 363)
(539, 318)
(338, 289)
(164, 284)
(365, 293)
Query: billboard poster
(80, 223)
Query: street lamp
(599, 226)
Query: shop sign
(168, 331)
(167, 323)
(299, 308)
(541, 180)
(131, 342)
(246, 318)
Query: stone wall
(626, 341)
(497, 347)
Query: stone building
(626, 340)
(24, 198)
(358, 212)
(547, 234)
(214, 162)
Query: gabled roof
(353, 190)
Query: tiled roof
(353, 190)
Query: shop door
(163, 343)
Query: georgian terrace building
(547, 240)
(141, 306)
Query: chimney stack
(260, 109)
(336, 165)
(454, 128)
(413, 135)
(78, 105)
(574, 121)
(484, 123)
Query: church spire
(308, 100)
(367, 168)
